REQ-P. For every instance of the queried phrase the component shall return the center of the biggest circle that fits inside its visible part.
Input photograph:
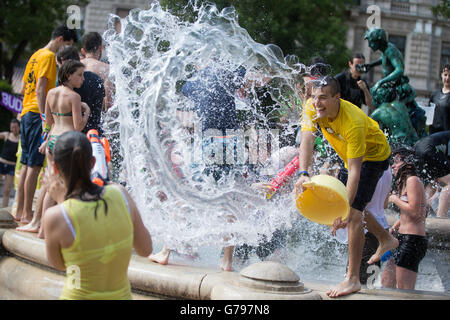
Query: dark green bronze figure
(393, 118)
(394, 86)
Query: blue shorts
(7, 169)
(30, 140)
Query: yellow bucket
(324, 200)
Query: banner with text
(11, 102)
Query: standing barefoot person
(363, 147)
(64, 112)
(8, 158)
(93, 229)
(401, 270)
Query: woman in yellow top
(363, 147)
(92, 230)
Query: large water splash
(151, 58)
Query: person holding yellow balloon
(363, 147)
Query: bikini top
(68, 114)
(405, 198)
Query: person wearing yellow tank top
(92, 230)
(362, 146)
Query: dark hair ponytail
(73, 156)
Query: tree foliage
(442, 9)
(305, 28)
(25, 26)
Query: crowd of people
(96, 226)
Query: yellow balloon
(324, 200)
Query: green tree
(442, 9)
(25, 26)
(302, 27)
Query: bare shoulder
(53, 216)
(414, 181)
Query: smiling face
(325, 103)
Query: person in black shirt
(441, 100)
(353, 88)
(8, 158)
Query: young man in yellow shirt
(363, 147)
(38, 79)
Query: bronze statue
(393, 80)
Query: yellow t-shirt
(97, 261)
(352, 134)
(41, 64)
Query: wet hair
(328, 81)
(14, 120)
(91, 42)
(445, 67)
(66, 33)
(407, 169)
(356, 55)
(67, 53)
(73, 156)
(318, 67)
(69, 67)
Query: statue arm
(366, 67)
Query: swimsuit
(67, 114)
(410, 251)
(51, 143)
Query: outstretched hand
(338, 224)
(299, 188)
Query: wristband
(303, 173)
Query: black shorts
(371, 172)
(7, 169)
(410, 251)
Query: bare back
(62, 106)
(98, 67)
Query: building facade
(423, 39)
(410, 25)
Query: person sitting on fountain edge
(363, 147)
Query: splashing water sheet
(151, 58)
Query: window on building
(400, 6)
(399, 42)
(445, 53)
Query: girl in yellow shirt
(90, 233)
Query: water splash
(151, 58)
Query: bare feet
(161, 257)
(226, 266)
(346, 287)
(31, 227)
(40, 234)
(384, 246)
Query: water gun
(102, 154)
(288, 171)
